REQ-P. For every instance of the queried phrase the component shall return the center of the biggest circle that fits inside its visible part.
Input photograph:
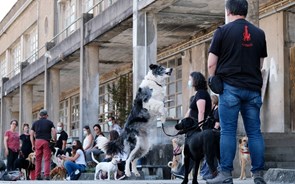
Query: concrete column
(26, 104)
(52, 88)
(6, 117)
(144, 44)
(89, 86)
(253, 12)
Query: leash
(197, 125)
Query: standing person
(25, 142)
(236, 55)
(199, 109)
(62, 137)
(114, 125)
(205, 171)
(88, 140)
(98, 145)
(43, 130)
(11, 145)
(75, 162)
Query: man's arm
(53, 133)
(261, 63)
(32, 134)
(212, 63)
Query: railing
(67, 31)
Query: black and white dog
(148, 105)
(197, 144)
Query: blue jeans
(71, 167)
(231, 102)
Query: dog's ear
(152, 66)
(240, 141)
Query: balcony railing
(96, 9)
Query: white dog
(109, 167)
(148, 105)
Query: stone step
(276, 164)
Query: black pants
(11, 157)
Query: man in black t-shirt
(236, 54)
(62, 137)
(43, 131)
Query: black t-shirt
(63, 136)
(201, 94)
(42, 128)
(26, 145)
(239, 46)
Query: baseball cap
(43, 112)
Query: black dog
(198, 144)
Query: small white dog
(109, 167)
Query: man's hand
(33, 148)
(6, 152)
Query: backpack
(10, 175)
(75, 175)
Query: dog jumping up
(148, 105)
(244, 156)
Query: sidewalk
(176, 181)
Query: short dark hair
(237, 7)
(14, 120)
(43, 112)
(26, 125)
(112, 117)
(199, 81)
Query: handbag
(216, 84)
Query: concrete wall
(273, 119)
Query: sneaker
(177, 174)
(207, 177)
(222, 177)
(39, 178)
(68, 178)
(258, 177)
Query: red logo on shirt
(246, 34)
(246, 37)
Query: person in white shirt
(98, 145)
(88, 140)
(77, 161)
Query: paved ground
(177, 181)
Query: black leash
(197, 125)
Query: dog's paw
(128, 173)
(163, 119)
(137, 174)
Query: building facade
(66, 55)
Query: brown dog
(177, 156)
(58, 173)
(244, 156)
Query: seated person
(98, 145)
(75, 162)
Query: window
(32, 46)
(70, 16)
(74, 126)
(88, 4)
(63, 113)
(174, 88)
(16, 59)
(3, 66)
(115, 99)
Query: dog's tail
(92, 156)
(116, 146)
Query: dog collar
(245, 152)
(156, 82)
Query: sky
(5, 6)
